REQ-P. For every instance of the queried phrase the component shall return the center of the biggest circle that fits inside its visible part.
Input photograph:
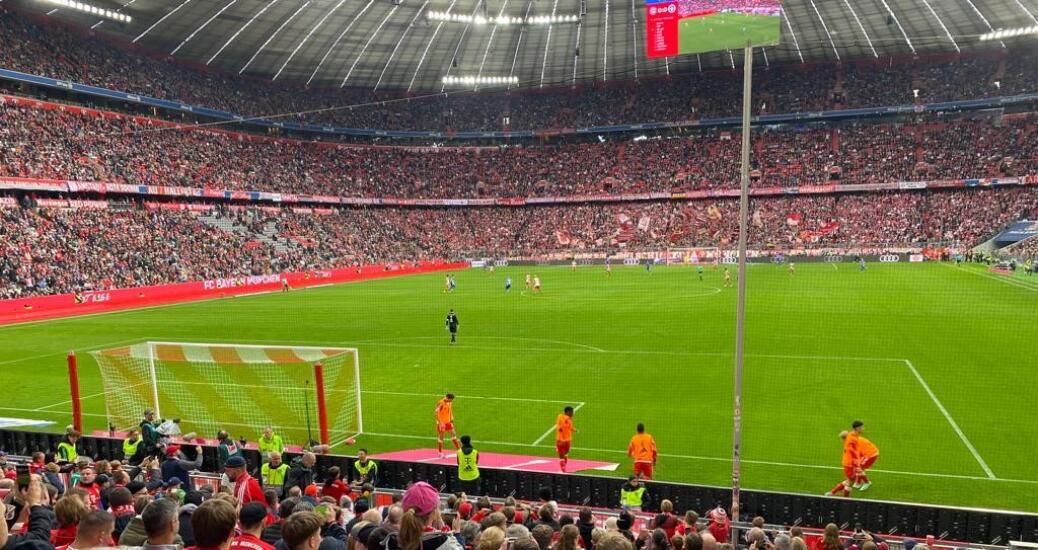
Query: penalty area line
(947, 416)
(552, 429)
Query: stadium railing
(977, 526)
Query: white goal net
(304, 393)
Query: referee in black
(452, 325)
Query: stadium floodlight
(469, 80)
(501, 19)
(93, 10)
(1009, 33)
(305, 393)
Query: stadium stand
(64, 143)
(157, 244)
(49, 49)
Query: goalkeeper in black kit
(452, 325)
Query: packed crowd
(148, 501)
(51, 250)
(69, 145)
(70, 54)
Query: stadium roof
(393, 44)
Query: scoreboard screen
(676, 27)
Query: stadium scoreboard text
(676, 27)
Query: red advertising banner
(661, 35)
(38, 308)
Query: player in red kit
(445, 422)
(564, 435)
(867, 455)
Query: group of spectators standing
(74, 54)
(109, 503)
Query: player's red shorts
(849, 472)
(868, 462)
(444, 428)
(563, 448)
(643, 469)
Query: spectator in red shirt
(246, 488)
(88, 482)
(252, 518)
(720, 526)
(69, 512)
(334, 486)
(95, 531)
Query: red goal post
(239, 388)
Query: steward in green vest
(133, 450)
(273, 472)
(67, 451)
(270, 442)
(632, 495)
(365, 468)
(468, 467)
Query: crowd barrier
(37, 308)
(893, 518)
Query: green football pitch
(939, 362)
(724, 31)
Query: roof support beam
(984, 19)
(792, 33)
(862, 28)
(429, 45)
(515, 57)
(161, 19)
(242, 28)
(306, 38)
(457, 47)
(490, 41)
(272, 37)
(202, 26)
(899, 26)
(547, 43)
(336, 42)
(826, 29)
(1027, 11)
(634, 42)
(943, 26)
(576, 52)
(605, 44)
(368, 43)
(401, 41)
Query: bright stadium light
(1009, 33)
(470, 80)
(93, 10)
(501, 19)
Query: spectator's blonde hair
(492, 538)
(568, 538)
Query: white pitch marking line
(468, 397)
(718, 459)
(948, 417)
(57, 353)
(552, 429)
(1000, 278)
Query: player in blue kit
(508, 284)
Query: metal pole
(740, 308)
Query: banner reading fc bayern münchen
(676, 27)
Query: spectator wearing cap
(421, 504)
(161, 525)
(68, 450)
(252, 517)
(213, 525)
(177, 466)
(720, 526)
(246, 488)
(192, 500)
(149, 433)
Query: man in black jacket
(178, 466)
(301, 474)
